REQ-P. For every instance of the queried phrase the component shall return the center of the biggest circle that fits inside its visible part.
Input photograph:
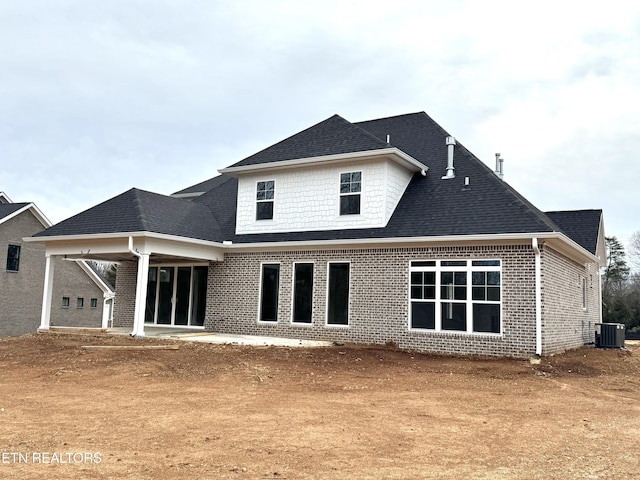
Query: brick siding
(565, 323)
(379, 299)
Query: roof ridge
(137, 205)
(577, 210)
(392, 116)
(368, 133)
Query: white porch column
(141, 295)
(45, 318)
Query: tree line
(621, 284)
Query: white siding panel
(308, 198)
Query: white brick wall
(307, 198)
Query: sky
(97, 97)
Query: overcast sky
(97, 97)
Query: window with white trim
(584, 293)
(338, 293)
(269, 287)
(265, 193)
(350, 188)
(456, 295)
(302, 293)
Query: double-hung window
(350, 190)
(13, 258)
(264, 200)
(456, 295)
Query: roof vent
(451, 172)
(499, 166)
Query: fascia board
(394, 154)
(34, 210)
(119, 243)
(118, 235)
(568, 246)
(387, 242)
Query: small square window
(94, 303)
(13, 258)
(65, 302)
(80, 302)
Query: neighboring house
(380, 231)
(80, 296)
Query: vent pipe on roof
(499, 166)
(451, 172)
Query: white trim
(393, 153)
(326, 303)
(468, 268)
(260, 287)
(293, 291)
(556, 240)
(350, 194)
(6, 197)
(34, 210)
(106, 289)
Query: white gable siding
(308, 198)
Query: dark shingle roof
(203, 187)
(7, 209)
(582, 226)
(430, 206)
(333, 136)
(138, 210)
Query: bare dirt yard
(235, 412)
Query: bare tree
(634, 250)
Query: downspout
(131, 250)
(536, 251)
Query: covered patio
(171, 280)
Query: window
(270, 280)
(94, 303)
(350, 188)
(65, 302)
(302, 292)
(80, 302)
(264, 198)
(338, 294)
(456, 295)
(584, 293)
(13, 258)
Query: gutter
(395, 153)
(536, 251)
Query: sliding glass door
(176, 295)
